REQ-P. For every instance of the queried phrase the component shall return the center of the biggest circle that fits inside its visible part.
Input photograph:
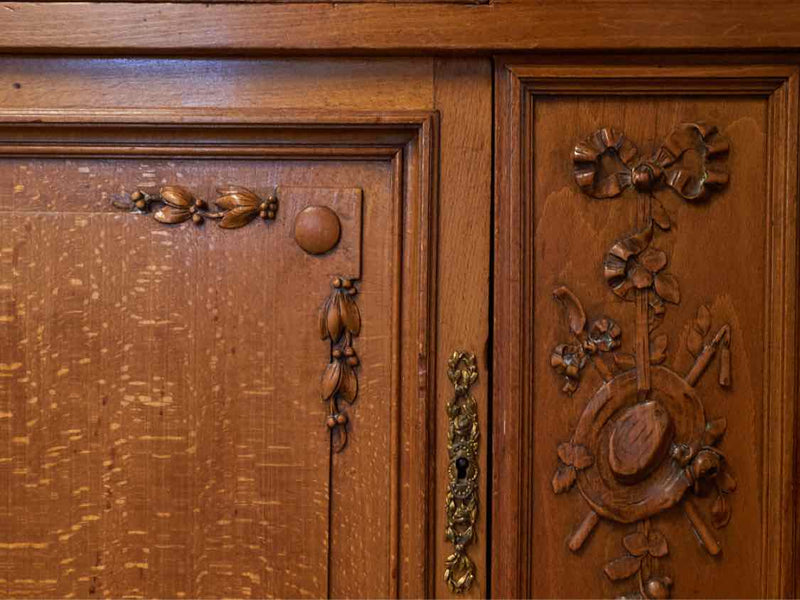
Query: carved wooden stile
(643, 442)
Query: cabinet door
(217, 325)
(646, 298)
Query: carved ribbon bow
(607, 162)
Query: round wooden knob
(317, 229)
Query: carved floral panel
(649, 261)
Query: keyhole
(462, 464)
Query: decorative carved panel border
(405, 141)
(521, 85)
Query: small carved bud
(336, 282)
(197, 219)
(706, 464)
(331, 422)
(658, 587)
(201, 204)
(263, 214)
(349, 351)
(341, 419)
(263, 206)
(352, 361)
(347, 284)
(193, 209)
(337, 353)
(270, 214)
(141, 204)
(137, 195)
(681, 453)
(352, 291)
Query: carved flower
(179, 205)
(242, 206)
(632, 264)
(568, 360)
(605, 334)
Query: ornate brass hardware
(461, 504)
(340, 322)
(238, 206)
(643, 442)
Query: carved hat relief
(644, 442)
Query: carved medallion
(644, 443)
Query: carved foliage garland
(236, 205)
(461, 503)
(643, 442)
(340, 323)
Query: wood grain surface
(501, 25)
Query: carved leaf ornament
(643, 443)
(340, 323)
(237, 206)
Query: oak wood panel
(230, 453)
(30, 82)
(350, 27)
(746, 274)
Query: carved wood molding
(522, 82)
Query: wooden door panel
(163, 422)
(656, 393)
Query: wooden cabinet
(306, 299)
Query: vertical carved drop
(340, 323)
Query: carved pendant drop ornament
(340, 323)
(644, 442)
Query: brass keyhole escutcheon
(317, 229)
